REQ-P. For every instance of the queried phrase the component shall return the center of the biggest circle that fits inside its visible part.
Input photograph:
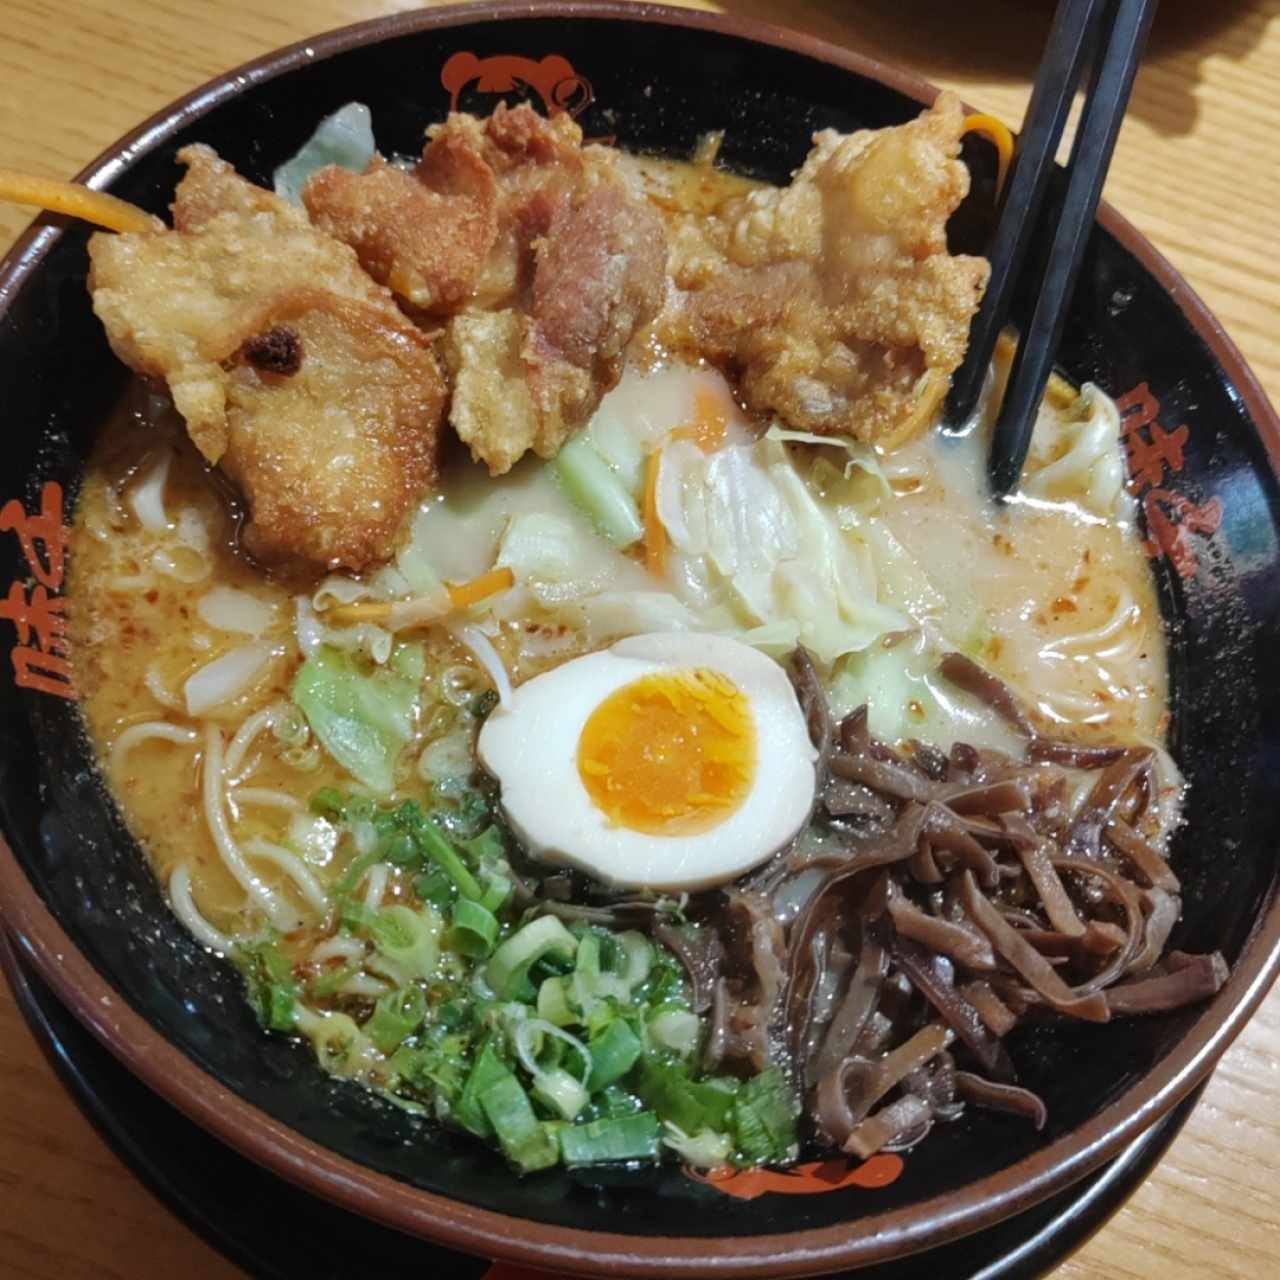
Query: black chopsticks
(1110, 34)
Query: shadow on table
(1003, 39)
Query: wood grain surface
(1197, 169)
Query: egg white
(531, 747)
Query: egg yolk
(673, 753)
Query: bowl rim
(305, 1163)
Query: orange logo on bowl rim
(802, 1179)
(552, 78)
(37, 612)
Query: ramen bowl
(79, 896)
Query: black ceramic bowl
(79, 896)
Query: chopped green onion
(592, 988)
(407, 941)
(441, 1068)
(666, 981)
(542, 1047)
(705, 1150)
(355, 872)
(497, 889)
(436, 888)
(489, 845)
(273, 990)
(553, 1003)
(560, 1091)
(396, 1017)
(400, 850)
(475, 929)
(763, 1119)
(667, 1089)
(453, 1014)
(333, 1036)
(637, 957)
(633, 1137)
(595, 489)
(460, 808)
(329, 984)
(356, 917)
(614, 1100)
(586, 964)
(508, 969)
(329, 803)
(523, 1138)
(677, 1030)
(613, 1053)
(433, 843)
(488, 1068)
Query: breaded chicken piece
(429, 246)
(538, 251)
(296, 373)
(600, 275)
(834, 299)
(492, 408)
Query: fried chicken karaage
(312, 351)
(834, 300)
(537, 251)
(295, 371)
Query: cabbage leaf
(345, 138)
(749, 532)
(363, 715)
(861, 455)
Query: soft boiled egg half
(670, 761)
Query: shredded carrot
(710, 421)
(365, 611)
(75, 200)
(655, 532)
(997, 133)
(462, 594)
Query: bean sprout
(156, 688)
(364, 984)
(377, 881)
(245, 735)
(487, 656)
(147, 497)
(340, 946)
(459, 684)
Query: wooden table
(1198, 170)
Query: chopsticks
(1110, 34)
